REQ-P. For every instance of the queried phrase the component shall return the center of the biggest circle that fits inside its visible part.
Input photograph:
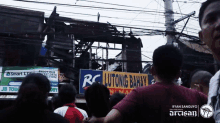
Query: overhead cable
(85, 14)
(113, 4)
(92, 7)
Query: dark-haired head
(203, 8)
(67, 93)
(33, 91)
(200, 81)
(97, 99)
(201, 77)
(167, 62)
(115, 98)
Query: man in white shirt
(209, 20)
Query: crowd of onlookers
(98, 101)
(144, 104)
(32, 104)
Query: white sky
(150, 43)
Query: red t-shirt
(154, 102)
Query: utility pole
(169, 19)
(73, 56)
(107, 62)
(90, 58)
(73, 50)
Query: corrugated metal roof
(196, 47)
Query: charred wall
(193, 60)
(18, 47)
(133, 54)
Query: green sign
(11, 77)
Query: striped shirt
(72, 113)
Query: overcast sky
(153, 20)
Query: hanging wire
(159, 4)
(77, 13)
(140, 12)
(146, 56)
(92, 7)
(181, 15)
(113, 4)
(3, 14)
(190, 2)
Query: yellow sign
(123, 82)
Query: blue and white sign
(87, 77)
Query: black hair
(67, 93)
(97, 99)
(191, 75)
(115, 98)
(202, 9)
(33, 91)
(167, 61)
(202, 75)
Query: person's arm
(94, 120)
(114, 116)
(126, 110)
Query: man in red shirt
(155, 102)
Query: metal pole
(183, 28)
(72, 37)
(124, 56)
(107, 63)
(102, 60)
(96, 53)
(169, 19)
(123, 48)
(73, 55)
(90, 58)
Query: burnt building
(131, 60)
(197, 56)
(19, 38)
(68, 45)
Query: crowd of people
(144, 104)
